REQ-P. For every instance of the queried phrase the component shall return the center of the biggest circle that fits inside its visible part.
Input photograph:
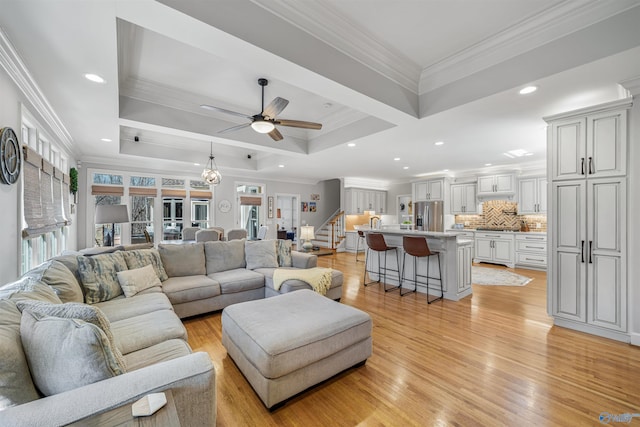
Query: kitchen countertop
(493, 231)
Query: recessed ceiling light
(528, 90)
(105, 140)
(351, 144)
(327, 105)
(196, 164)
(439, 143)
(396, 158)
(280, 166)
(94, 78)
(487, 164)
(445, 170)
(528, 154)
(406, 167)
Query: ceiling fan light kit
(266, 122)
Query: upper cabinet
(358, 200)
(428, 190)
(496, 185)
(463, 199)
(593, 146)
(532, 195)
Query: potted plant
(73, 186)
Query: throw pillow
(141, 257)
(260, 254)
(99, 275)
(284, 253)
(64, 354)
(28, 288)
(57, 275)
(16, 385)
(71, 310)
(137, 280)
(183, 260)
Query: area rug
(496, 277)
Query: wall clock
(10, 159)
(224, 206)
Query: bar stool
(417, 247)
(360, 240)
(376, 243)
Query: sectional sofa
(80, 335)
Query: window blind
(201, 194)
(143, 191)
(39, 209)
(57, 197)
(250, 201)
(173, 193)
(107, 190)
(66, 180)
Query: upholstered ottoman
(286, 344)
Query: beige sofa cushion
(65, 354)
(29, 288)
(161, 352)
(183, 260)
(190, 288)
(124, 308)
(238, 280)
(16, 386)
(99, 276)
(145, 330)
(57, 275)
(222, 256)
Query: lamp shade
(111, 214)
(306, 232)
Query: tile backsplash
(502, 213)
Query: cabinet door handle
(582, 251)
(590, 251)
(591, 165)
(582, 166)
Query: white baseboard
(635, 339)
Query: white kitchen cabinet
(594, 146)
(463, 198)
(496, 184)
(588, 216)
(531, 250)
(428, 190)
(358, 200)
(465, 255)
(351, 241)
(532, 196)
(495, 248)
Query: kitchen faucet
(377, 218)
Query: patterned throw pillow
(284, 253)
(137, 280)
(99, 276)
(79, 311)
(64, 354)
(140, 257)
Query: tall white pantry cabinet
(587, 171)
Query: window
(172, 223)
(199, 213)
(107, 234)
(142, 219)
(250, 197)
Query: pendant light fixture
(211, 174)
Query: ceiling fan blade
(275, 135)
(235, 128)
(222, 110)
(275, 107)
(299, 124)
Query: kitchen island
(455, 262)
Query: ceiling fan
(266, 121)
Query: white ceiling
(391, 77)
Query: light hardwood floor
(491, 359)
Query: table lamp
(306, 234)
(111, 214)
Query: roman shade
(173, 193)
(66, 180)
(250, 201)
(57, 197)
(107, 190)
(201, 194)
(143, 191)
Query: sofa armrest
(302, 260)
(191, 379)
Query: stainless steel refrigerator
(429, 216)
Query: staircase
(331, 233)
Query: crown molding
(12, 63)
(538, 30)
(632, 85)
(320, 19)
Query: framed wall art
(270, 206)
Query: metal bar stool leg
(385, 272)
(415, 279)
